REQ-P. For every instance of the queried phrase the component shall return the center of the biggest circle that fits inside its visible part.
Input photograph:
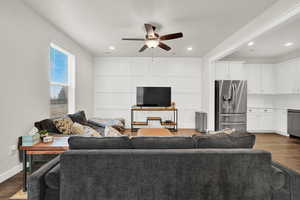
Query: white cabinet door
(267, 79)
(284, 78)
(281, 121)
(222, 71)
(237, 71)
(268, 120)
(294, 65)
(253, 78)
(252, 122)
(297, 82)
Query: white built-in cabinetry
(260, 120)
(287, 77)
(229, 71)
(260, 78)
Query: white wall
(116, 80)
(24, 70)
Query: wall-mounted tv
(153, 96)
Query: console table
(171, 124)
(58, 146)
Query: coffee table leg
(24, 170)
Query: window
(62, 83)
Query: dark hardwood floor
(285, 150)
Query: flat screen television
(153, 96)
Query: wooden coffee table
(58, 146)
(154, 132)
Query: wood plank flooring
(284, 150)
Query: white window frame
(71, 77)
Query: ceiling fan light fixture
(152, 43)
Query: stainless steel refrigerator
(231, 104)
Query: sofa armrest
(290, 189)
(278, 178)
(36, 182)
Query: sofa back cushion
(172, 142)
(234, 140)
(177, 174)
(78, 142)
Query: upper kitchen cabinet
(287, 77)
(253, 76)
(228, 70)
(268, 84)
(260, 78)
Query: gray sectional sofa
(217, 167)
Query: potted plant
(43, 133)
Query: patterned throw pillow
(77, 129)
(111, 132)
(64, 125)
(88, 131)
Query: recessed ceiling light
(112, 48)
(288, 44)
(190, 48)
(250, 44)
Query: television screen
(153, 96)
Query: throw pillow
(88, 131)
(111, 132)
(64, 125)
(77, 129)
(78, 117)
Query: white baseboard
(10, 173)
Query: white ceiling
(97, 24)
(270, 45)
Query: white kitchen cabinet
(287, 77)
(260, 120)
(252, 122)
(267, 79)
(253, 78)
(260, 78)
(237, 71)
(281, 121)
(227, 70)
(222, 71)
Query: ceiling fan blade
(150, 30)
(171, 36)
(134, 39)
(143, 48)
(164, 46)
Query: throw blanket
(117, 123)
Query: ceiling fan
(153, 40)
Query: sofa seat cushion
(165, 142)
(79, 142)
(52, 178)
(234, 140)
